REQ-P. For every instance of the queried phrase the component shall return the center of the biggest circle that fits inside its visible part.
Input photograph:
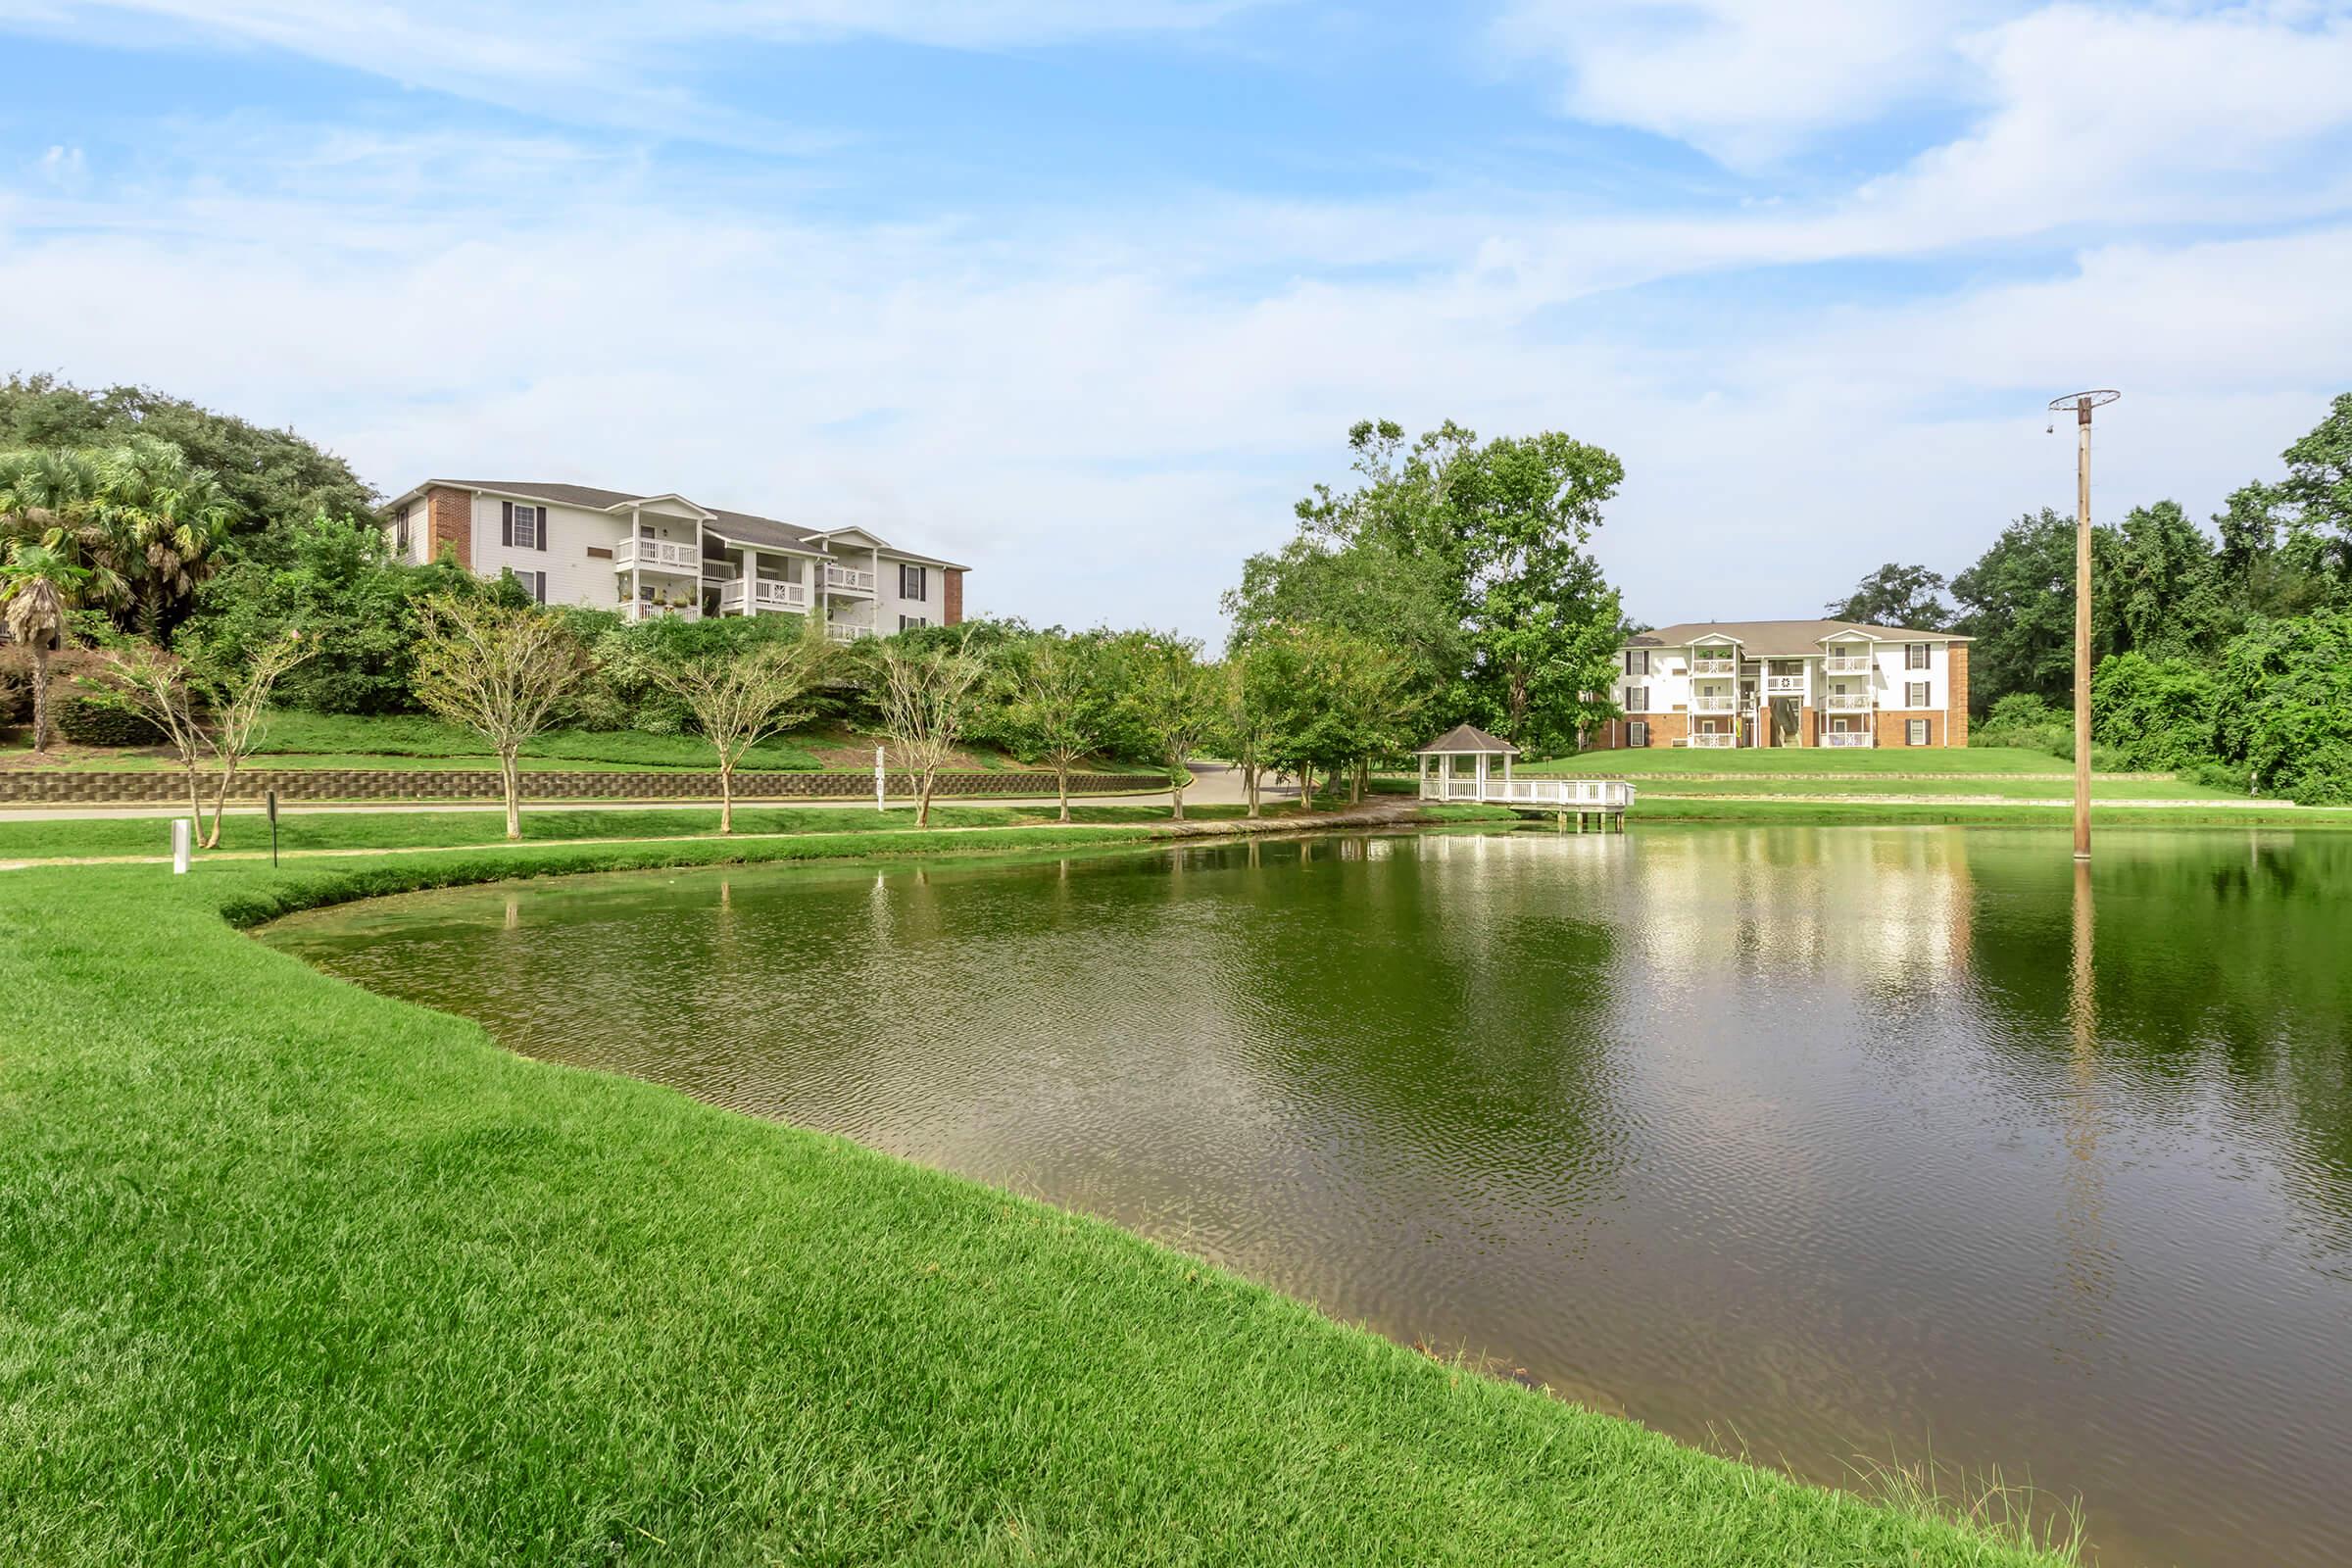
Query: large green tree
(270, 478)
(2017, 601)
(2285, 705)
(1896, 595)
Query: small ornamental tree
(1176, 699)
(926, 696)
(501, 672)
(205, 710)
(740, 698)
(37, 589)
(1251, 676)
(1057, 696)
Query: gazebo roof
(1468, 740)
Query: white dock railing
(1561, 794)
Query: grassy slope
(2107, 786)
(386, 830)
(1830, 811)
(293, 1272)
(1809, 760)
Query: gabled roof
(1467, 738)
(1781, 639)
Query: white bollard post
(182, 840)
(878, 781)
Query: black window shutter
(542, 517)
(506, 523)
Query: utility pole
(2083, 403)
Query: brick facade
(953, 596)
(1889, 727)
(1955, 709)
(169, 787)
(449, 523)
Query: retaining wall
(160, 787)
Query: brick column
(1805, 734)
(1955, 707)
(952, 594)
(449, 521)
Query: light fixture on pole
(2083, 403)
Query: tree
(2017, 601)
(740, 698)
(2163, 586)
(203, 708)
(272, 480)
(1256, 678)
(1058, 695)
(499, 672)
(165, 520)
(37, 588)
(2317, 488)
(2158, 714)
(1896, 595)
(2285, 705)
(1175, 698)
(927, 695)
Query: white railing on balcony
(845, 631)
(659, 555)
(849, 579)
(767, 593)
(1851, 737)
(1568, 794)
(1705, 665)
(1713, 702)
(1847, 701)
(1715, 743)
(1784, 685)
(642, 611)
(1847, 663)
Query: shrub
(2156, 714)
(89, 723)
(2285, 705)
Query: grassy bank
(1826, 811)
(1803, 759)
(293, 1272)
(300, 830)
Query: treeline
(2222, 651)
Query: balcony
(1713, 702)
(767, 593)
(644, 611)
(673, 556)
(1715, 743)
(1714, 665)
(1847, 663)
(1848, 702)
(845, 631)
(849, 580)
(1784, 685)
(1850, 737)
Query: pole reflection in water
(2089, 1269)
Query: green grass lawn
(1798, 760)
(290, 1272)
(2114, 787)
(399, 830)
(1830, 811)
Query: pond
(1829, 1146)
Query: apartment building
(1838, 683)
(663, 554)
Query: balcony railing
(1850, 737)
(848, 579)
(641, 611)
(1713, 702)
(1714, 665)
(1608, 794)
(1847, 663)
(1784, 685)
(659, 555)
(1717, 743)
(767, 593)
(1847, 701)
(845, 631)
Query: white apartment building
(663, 554)
(1839, 683)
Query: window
(1637, 661)
(536, 582)
(914, 582)
(524, 527)
(1915, 693)
(1636, 699)
(906, 621)
(1637, 733)
(400, 533)
(1915, 732)
(1915, 656)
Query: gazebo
(1463, 740)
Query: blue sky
(1086, 294)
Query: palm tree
(51, 497)
(37, 587)
(159, 520)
